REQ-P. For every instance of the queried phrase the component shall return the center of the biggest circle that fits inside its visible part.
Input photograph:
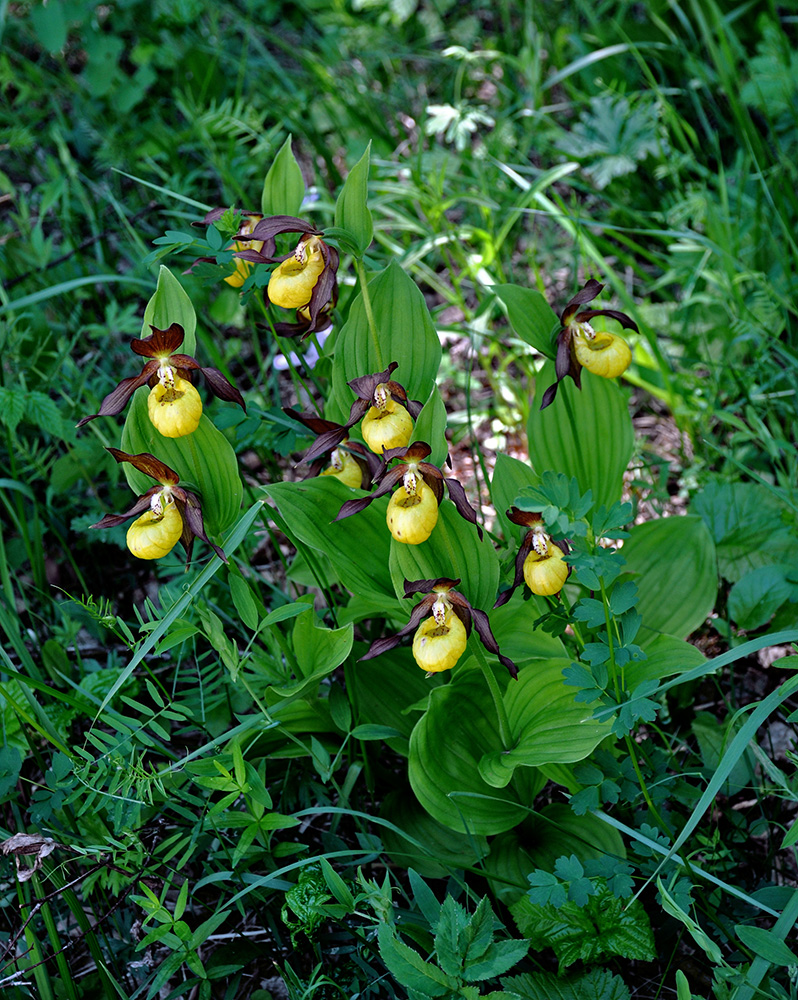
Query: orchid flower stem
(296, 378)
(364, 291)
(493, 685)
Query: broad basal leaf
(171, 304)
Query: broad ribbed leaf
(587, 433)
(557, 830)
(358, 547)
(443, 849)
(510, 476)
(318, 648)
(170, 304)
(665, 656)
(382, 690)
(758, 595)
(283, 186)
(454, 551)
(352, 211)
(512, 625)
(530, 316)
(548, 725)
(458, 728)
(673, 564)
(405, 334)
(204, 461)
(431, 427)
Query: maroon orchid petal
(113, 520)
(274, 225)
(356, 411)
(626, 321)
(518, 579)
(427, 586)
(223, 389)
(458, 497)
(523, 518)
(316, 424)
(562, 364)
(364, 385)
(482, 625)
(149, 465)
(549, 394)
(326, 442)
(591, 289)
(118, 398)
(213, 216)
(414, 407)
(184, 362)
(463, 612)
(324, 291)
(161, 343)
(417, 615)
(191, 511)
(353, 507)
(417, 451)
(254, 257)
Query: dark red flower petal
(149, 465)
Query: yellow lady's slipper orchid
(169, 513)
(174, 405)
(386, 426)
(604, 354)
(413, 511)
(580, 346)
(546, 574)
(439, 641)
(292, 282)
(243, 267)
(540, 561)
(438, 645)
(156, 533)
(344, 467)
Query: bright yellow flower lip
(604, 354)
(292, 282)
(155, 533)
(243, 267)
(546, 574)
(438, 645)
(412, 513)
(344, 467)
(389, 427)
(174, 407)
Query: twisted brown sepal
(566, 362)
(160, 348)
(187, 503)
(331, 436)
(468, 615)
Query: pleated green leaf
(431, 427)
(665, 656)
(283, 186)
(454, 551)
(204, 461)
(513, 624)
(358, 547)
(455, 732)
(351, 209)
(443, 849)
(585, 434)
(672, 561)
(530, 316)
(405, 334)
(382, 690)
(509, 477)
(548, 725)
(171, 304)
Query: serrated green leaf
(585, 434)
(408, 967)
(283, 186)
(449, 943)
(596, 984)
(351, 209)
(204, 461)
(12, 406)
(758, 595)
(498, 959)
(530, 316)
